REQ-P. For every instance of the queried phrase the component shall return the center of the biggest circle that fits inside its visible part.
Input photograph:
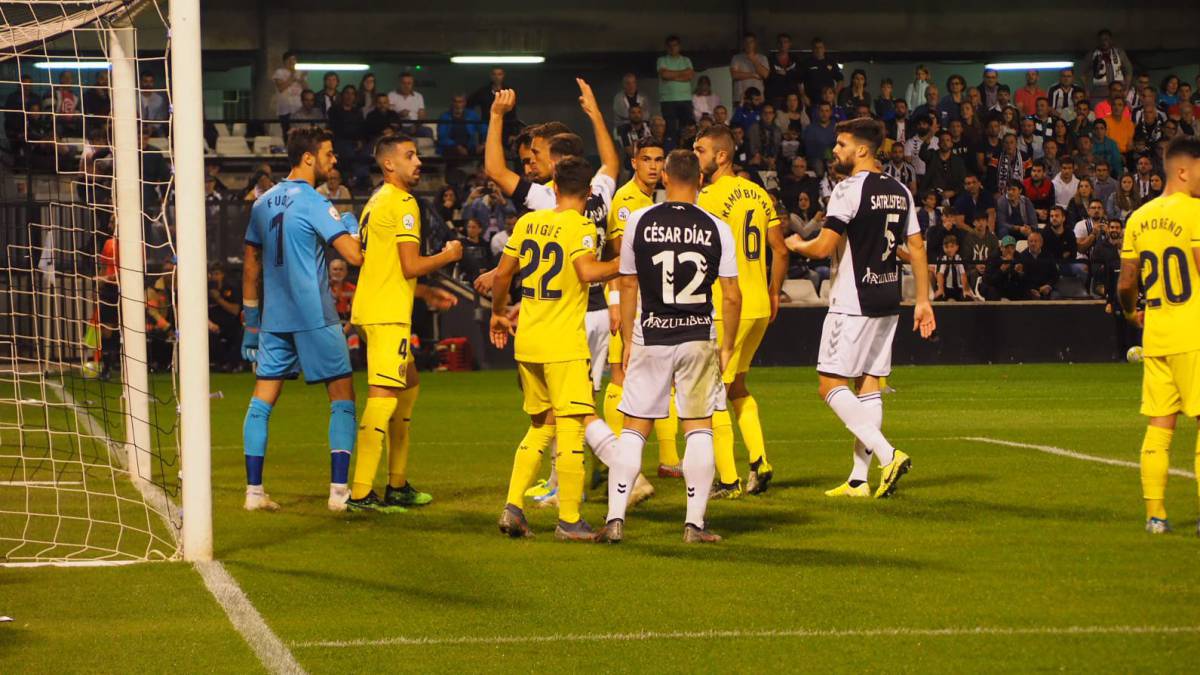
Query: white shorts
(692, 367)
(856, 345)
(597, 337)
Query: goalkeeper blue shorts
(320, 353)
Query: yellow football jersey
(750, 212)
(1161, 235)
(627, 199)
(553, 299)
(383, 294)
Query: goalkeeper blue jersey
(291, 224)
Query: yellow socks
(1156, 461)
(1198, 460)
(372, 435)
(398, 437)
(723, 446)
(746, 409)
(569, 463)
(527, 461)
(666, 432)
(612, 416)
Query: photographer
(488, 206)
(224, 321)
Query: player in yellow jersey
(750, 213)
(1162, 251)
(555, 251)
(648, 158)
(383, 303)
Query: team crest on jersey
(623, 213)
(333, 213)
(409, 221)
(588, 241)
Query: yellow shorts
(1171, 384)
(564, 387)
(616, 348)
(388, 354)
(749, 337)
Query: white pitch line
(506, 443)
(265, 644)
(642, 636)
(38, 483)
(1063, 452)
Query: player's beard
(843, 168)
(708, 170)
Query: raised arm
(494, 164)
(610, 161)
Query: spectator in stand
(1104, 108)
(675, 74)
(160, 317)
(900, 169)
(792, 117)
(1188, 124)
(380, 118)
(1040, 270)
(289, 83)
(329, 96)
(945, 172)
(368, 93)
(258, 184)
(480, 100)
(343, 299)
(1103, 183)
(1085, 158)
(897, 128)
(1081, 124)
(349, 130)
(978, 245)
(937, 232)
(932, 107)
(750, 111)
(920, 141)
(741, 152)
(224, 321)
(1156, 186)
(748, 68)
(798, 179)
(1003, 99)
(1106, 261)
(477, 254)
(658, 132)
(459, 130)
(951, 104)
(951, 277)
(336, 192)
(153, 105)
(915, 94)
(856, 94)
(972, 128)
(626, 99)
(885, 104)
(1077, 208)
(498, 240)
(785, 76)
(1061, 244)
(766, 140)
(1028, 95)
(1008, 168)
(704, 101)
(1010, 120)
(633, 131)
(820, 137)
(1050, 155)
(96, 101)
(447, 206)
(974, 199)
(1029, 143)
(308, 110)
(1089, 229)
(840, 114)
(409, 104)
(928, 216)
(1142, 180)
(1015, 215)
(1061, 96)
(1062, 136)
(820, 71)
(805, 217)
(1123, 201)
(1043, 120)
(1149, 122)
(1004, 277)
(1106, 64)
(1105, 149)
(720, 115)
(989, 88)
(488, 206)
(1065, 183)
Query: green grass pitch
(1022, 545)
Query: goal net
(89, 419)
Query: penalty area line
(642, 636)
(1063, 452)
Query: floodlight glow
(496, 58)
(73, 65)
(333, 66)
(1031, 65)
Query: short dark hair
(1056, 207)
(289, 54)
(1039, 162)
(573, 177)
(672, 38)
(385, 144)
(864, 130)
(752, 91)
(950, 239)
(1065, 161)
(647, 143)
(683, 165)
(720, 135)
(1095, 200)
(1182, 146)
(330, 72)
(302, 140)
(949, 210)
(1004, 87)
(548, 129)
(566, 145)
(525, 137)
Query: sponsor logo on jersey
(669, 322)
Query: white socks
(873, 402)
(623, 471)
(859, 419)
(698, 470)
(602, 441)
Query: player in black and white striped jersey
(868, 216)
(672, 255)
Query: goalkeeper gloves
(251, 319)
